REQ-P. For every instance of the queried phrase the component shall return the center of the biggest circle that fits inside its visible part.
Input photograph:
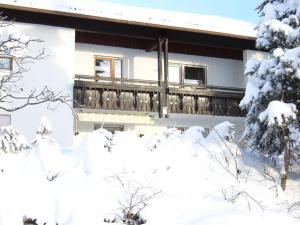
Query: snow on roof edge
(139, 16)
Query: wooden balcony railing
(143, 96)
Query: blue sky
(238, 9)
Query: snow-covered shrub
(224, 130)
(195, 132)
(155, 142)
(222, 148)
(48, 150)
(93, 147)
(172, 133)
(135, 198)
(45, 128)
(11, 141)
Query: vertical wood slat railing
(143, 96)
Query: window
(190, 74)
(5, 63)
(108, 67)
(194, 75)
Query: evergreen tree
(274, 81)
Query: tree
(15, 55)
(273, 88)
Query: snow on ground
(142, 15)
(169, 178)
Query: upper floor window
(108, 67)
(190, 74)
(194, 75)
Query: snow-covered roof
(138, 15)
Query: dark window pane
(195, 75)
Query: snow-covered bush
(11, 141)
(48, 150)
(135, 198)
(224, 131)
(274, 81)
(131, 185)
(156, 140)
(93, 147)
(195, 132)
(223, 149)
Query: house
(132, 68)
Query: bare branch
(237, 194)
(17, 50)
(136, 198)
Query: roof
(138, 15)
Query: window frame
(182, 73)
(194, 66)
(112, 60)
(180, 70)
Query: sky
(237, 9)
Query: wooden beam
(139, 43)
(152, 48)
(166, 75)
(159, 74)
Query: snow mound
(187, 179)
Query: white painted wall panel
(140, 64)
(56, 71)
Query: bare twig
(17, 51)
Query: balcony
(144, 96)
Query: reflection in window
(103, 67)
(108, 67)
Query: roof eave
(152, 25)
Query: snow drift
(169, 178)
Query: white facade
(139, 64)
(65, 59)
(56, 71)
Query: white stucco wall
(139, 64)
(56, 71)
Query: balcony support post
(160, 78)
(166, 76)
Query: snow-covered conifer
(275, 80)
